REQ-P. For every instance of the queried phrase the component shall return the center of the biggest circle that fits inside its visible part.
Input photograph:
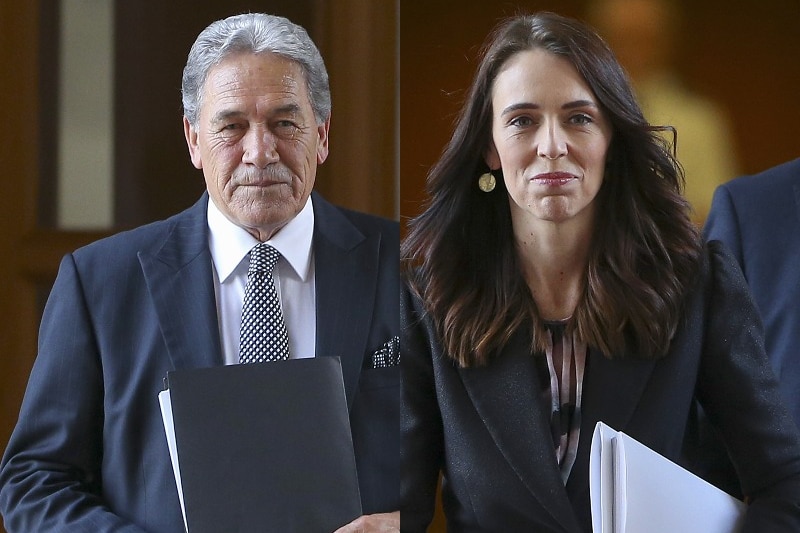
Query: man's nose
(260, 147)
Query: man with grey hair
(89, 451)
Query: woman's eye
(522, 122)
(581, 119)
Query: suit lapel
(612, 390)
(505, 394)
(178, 273)
(346, 270)
(521, 431)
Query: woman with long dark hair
(555, 280)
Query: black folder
(264, 447)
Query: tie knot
(263, 258)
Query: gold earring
(486, 182)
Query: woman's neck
(553, 259)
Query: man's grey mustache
(272, 173)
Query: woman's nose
(551, 141)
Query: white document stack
(635, 490)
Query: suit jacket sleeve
(50, 474)
(357, 278)
(421, 427)
(740, 393)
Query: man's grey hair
(254, 33)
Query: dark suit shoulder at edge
(788, 172)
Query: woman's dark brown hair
(459, 255)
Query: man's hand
(373, 523)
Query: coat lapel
(346, 270)
(521, 431)
(505, 395)
(178, 273)
(612, 389)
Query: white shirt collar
(230, 243)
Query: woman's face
(549, 137)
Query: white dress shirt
(293, 275)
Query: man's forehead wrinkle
(235, 87)
(290, 80)
(277, 106)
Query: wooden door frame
(30, 255)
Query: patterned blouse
(565, 357)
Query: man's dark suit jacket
(758, 219)
(488, 432)
(89, 452)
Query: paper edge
(165, 402)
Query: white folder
(635, 490)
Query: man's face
(257, 141)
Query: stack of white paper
(635, 490)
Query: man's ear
(191, 141)
(322, 145)
(491, 157)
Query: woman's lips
(554, 179)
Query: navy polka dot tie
(263, 335)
